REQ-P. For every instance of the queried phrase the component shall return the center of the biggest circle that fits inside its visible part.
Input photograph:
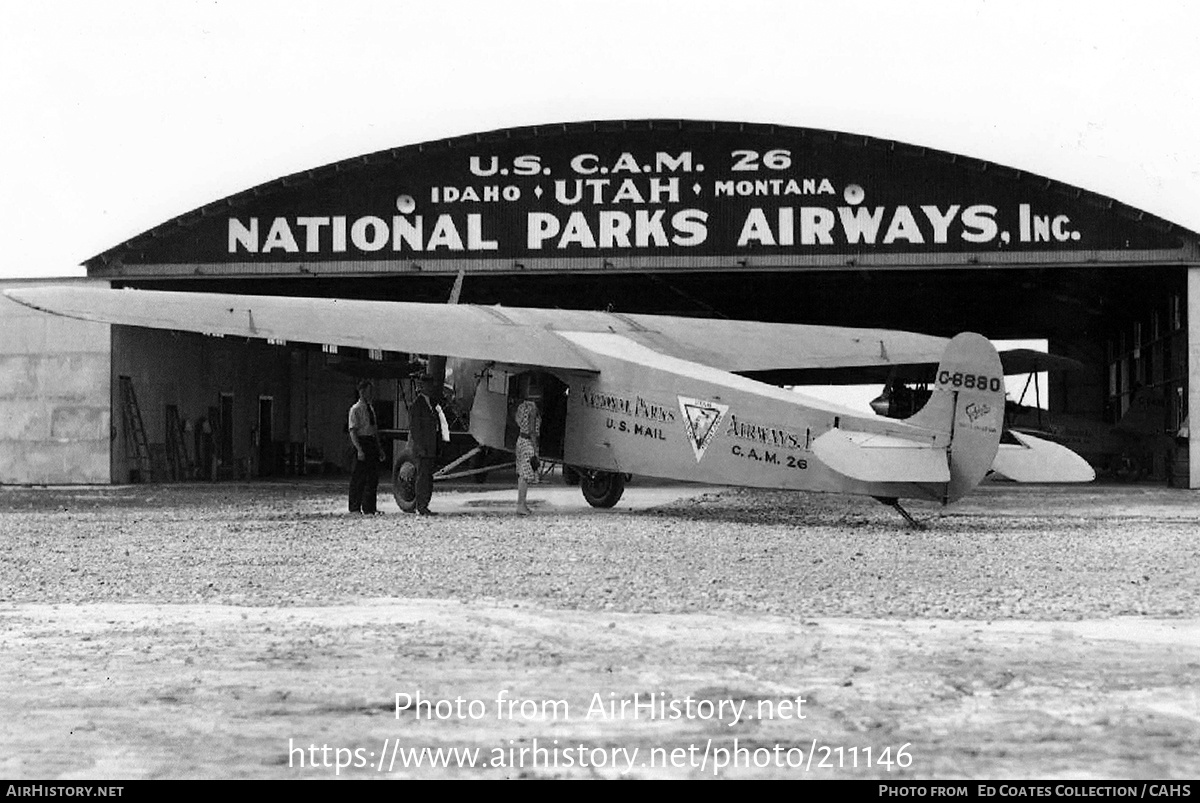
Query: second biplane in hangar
(650, 395)
(1023, 455)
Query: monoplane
(649, 395)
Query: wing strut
(894, 502)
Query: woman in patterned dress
(529, 425)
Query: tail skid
(894, 503)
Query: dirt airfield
(256, 631)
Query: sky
(121, 115)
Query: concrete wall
(55, 423)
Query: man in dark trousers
(364, 434)
(424, 431)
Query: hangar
(706, 219)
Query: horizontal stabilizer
(881, 458)
(1032, 459)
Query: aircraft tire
(404, 487)
(602, 488)
(570, 475)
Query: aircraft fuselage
(650, 415)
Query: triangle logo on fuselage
(701, 420)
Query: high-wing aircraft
(650, 395)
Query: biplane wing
(1023, 457)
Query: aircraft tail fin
(967, 403)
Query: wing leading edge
(458, 331)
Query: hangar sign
(709, 192)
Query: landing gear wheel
(602, 488)
(404, 484)
(570, 475)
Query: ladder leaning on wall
(179, 464)
(137, 450)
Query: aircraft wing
(1027, 458)
(503, 334)
(459, 331)
(1028, 361)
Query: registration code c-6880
(958, 379)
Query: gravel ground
(202, 631)
(1032, 553)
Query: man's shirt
(362, 420)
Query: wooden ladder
(137, 449)
(178, 462)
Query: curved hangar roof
(649, 195)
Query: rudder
(968, 403)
